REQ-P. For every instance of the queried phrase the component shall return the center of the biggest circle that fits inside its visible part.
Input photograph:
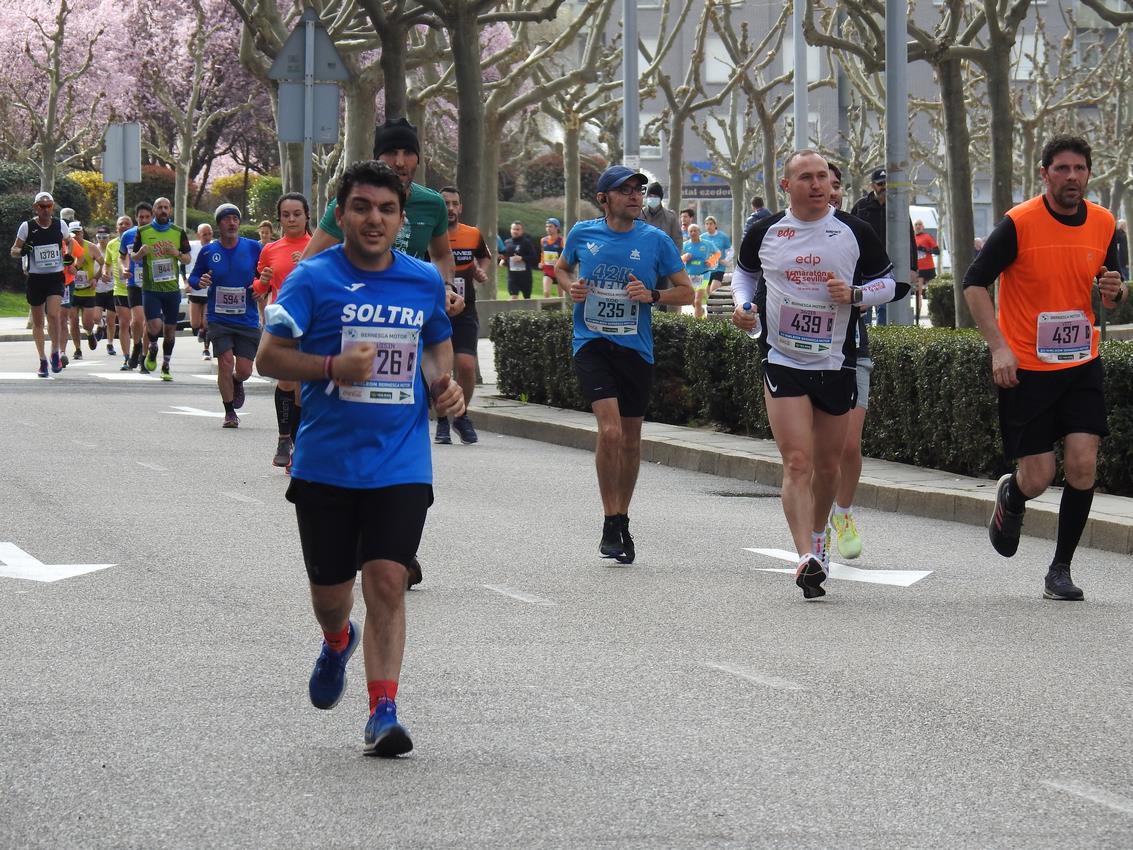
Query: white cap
(227, 209)
(76, 226)
(43, 196)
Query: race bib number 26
(393, 378)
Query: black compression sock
(228, 408)
(1016, 501)
(1073, 512)
(284, 405)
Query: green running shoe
(849, 542)
(151, 359)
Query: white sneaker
(205, 355)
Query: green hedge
(932, 402)
(942, 302)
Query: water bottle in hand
(754, 332)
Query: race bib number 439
(394, 375)
(805, 327)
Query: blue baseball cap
(555, 222)
(616, 175)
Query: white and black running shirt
(790, 261)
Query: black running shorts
(85, 302)
(122, 301)
(134, 296)
(1048, 405)
(465, 333)
(833, 391)
(105, 300)
(608, 370)
(241, 340)
(194, 298)
(341, 528)
(43, 286)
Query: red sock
(379, 688)
(338, 642)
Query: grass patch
(15, 304)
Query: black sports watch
(856, 295)
(656, 295)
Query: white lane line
(1093, 794)
(22, 376)
(758, 678)
(249, 380)
(194, 411)
(152, 466)
(236, 497)
(529, 598)
(900, 578)
(84, 445)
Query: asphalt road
(690, 700)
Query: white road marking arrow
(16, 563)
(194, 411)
(899, 578)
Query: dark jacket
(525, 249)
(869, 210)
(665, 220)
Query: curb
(924, 494)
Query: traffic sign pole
(308, 102)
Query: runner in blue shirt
(723, 245)
(619, 260)
(697, 255)
(226, 270)
(143, 215)
(364, 328)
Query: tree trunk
(958, 146)
(676, 161)
(395, 39)
(572, 172)
(770, 192)
(739, 187)
(1002, 131)
(487, 220)
(464, 36)
(361, 111)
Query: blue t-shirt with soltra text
(125, 245)
(232, 271)
(374, 434)
(605, 259)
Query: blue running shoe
(463, 426)
(42, 369)
(56, 362)
(328, 679)
(385, 737)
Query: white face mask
(652, 202)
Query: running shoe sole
(393, 742)
(809, 577)
(1053, 594)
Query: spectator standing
(521, 257)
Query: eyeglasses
(627, 189)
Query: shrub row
(932, 402)
(942, 305)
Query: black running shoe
(611, 545)
(1060, 586)
(809, 576)
(444, 435)
(92, 340)
(463, 426)
(282, 452)
(1004, 526)
(628, 551)
(414, 570)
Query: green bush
(544, 177)
(942, 302)
(262, 198)
(932, 401)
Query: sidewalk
(885, 486)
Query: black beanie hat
(398, 133)
(655, 189)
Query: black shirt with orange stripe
(1046, 263)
